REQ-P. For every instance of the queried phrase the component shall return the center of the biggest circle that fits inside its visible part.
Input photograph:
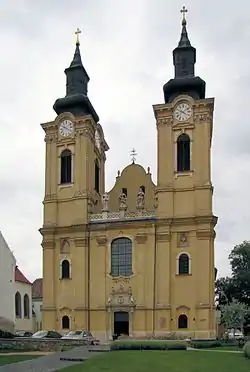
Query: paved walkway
(217, 350)
(50, 363)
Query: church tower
(74, 183)
(184, 196)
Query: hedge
(246, 350)
(148, 345)
(205, 344)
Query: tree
(224, 290)
(240, 264)
(233, 314)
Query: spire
(184, 58)
(184, 40)
(76, 100)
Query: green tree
(240, 265)
(233, 314)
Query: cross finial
(78, 31)
(133, 155)
(183, 12)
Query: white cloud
(127, 51)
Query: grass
(172, 361)
(8, 359)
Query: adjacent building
(23, 302)
(37, 302)
(138, 259)
(7, 286)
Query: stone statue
(140, 199)
(123, 202)
(105, 202)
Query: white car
(81, 335)
(235, 335)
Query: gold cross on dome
(183, 12)
(78, 32)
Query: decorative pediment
(65, 308)
(183, 307)
(64, 245)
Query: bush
(246, 350)
(147, 345)
(206, 344)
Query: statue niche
(140, 200)
(123, 202)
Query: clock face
(97, 139)
(182, 112)
(66, 128)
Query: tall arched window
(65, 322)
(26, 306)
(66, 166)
(65, 269)
(182, 321)
(121, 257)
(183, 153)
(18, 305)
(183, 264)
(97, 176)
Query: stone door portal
(121, 323)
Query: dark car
(23, 334)
(46, 334)
(5, 334)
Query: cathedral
(138, 259)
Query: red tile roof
(37, 288)
(19, 277)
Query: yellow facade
(146, 228)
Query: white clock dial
(97, 139)
(182, 112)
(66, 128)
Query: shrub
(206, 344)
(246, 350)
(147, 345)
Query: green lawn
(8, 359)
(171, 361)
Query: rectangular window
(97, 177)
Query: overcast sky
(126, 48)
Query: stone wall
(34, 344)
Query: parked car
(237, 334)
(81, 335)
(23, 334)
(5, 334)
(47, 334)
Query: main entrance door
(121, 323)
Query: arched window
(65, 322)
(66, 166)
(182, 322)
(183, 153)
(97, 176)
(65, 274)
(121, 257)
(26, 306)
(183, 264)
(18, 305)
